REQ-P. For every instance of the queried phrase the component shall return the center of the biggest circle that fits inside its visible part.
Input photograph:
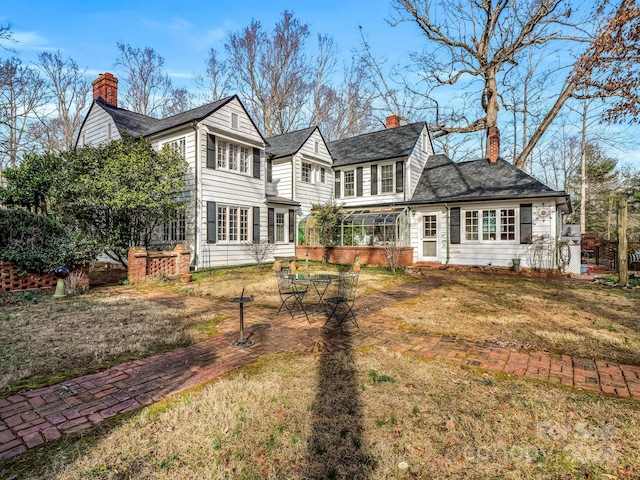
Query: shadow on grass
(336, 447)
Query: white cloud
(31, 41)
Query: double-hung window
(222, 154)
(471, 225)
(233, 157)
(386, 179)
(233, 224)
(244, 160)
(322, 174)
(175, 231)
(279, 227)
(508, 224)
(179, 146)
(306, 172)
(349, 183)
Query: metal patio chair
(291, 293)
(341, 305)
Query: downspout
(293, 177)
(448, 230)
(196, 220)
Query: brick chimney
(493, 136)
(106, 87)
(393, 121)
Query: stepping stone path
(33, 417)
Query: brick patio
(34, 417)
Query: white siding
(314, 191)
(417, 160)
(367, 199)
(498, 253)
(229, 188)
(281, 176)
(95, 128)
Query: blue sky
(183, 32)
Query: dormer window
(349, 183)
(234, 121)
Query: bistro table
(319, 281)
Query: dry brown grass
(56, 339)
(577, 319)
(323, 417)
(261, 282)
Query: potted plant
(516, 264)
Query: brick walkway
(34, 417)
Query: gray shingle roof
(138, 124)
(443, 180)
(288, 143)
(380, 145)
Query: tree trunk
(490, 104)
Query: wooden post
(623, 253)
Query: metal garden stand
(241, 300)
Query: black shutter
(399, 177)
(256, 224)
(454, 225)
(359, 181)
(526, 217)
(211, 151)
(292, 226)
(212, 231)
(336, 186)
(374, 179)
(271, 225)
(269, 170)
(256, 163)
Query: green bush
(40, 244)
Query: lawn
(585, 320)
(52, 340)
(361, 414)
(365, 413)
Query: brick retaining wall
(143, 264)
(346, 255)
(15, 279)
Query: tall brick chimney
(106, 87)
(493, 135)
(393, 121)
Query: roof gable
(288, 144)
(381, 145)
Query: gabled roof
(381, 145)
(443, 180)
(288, 144)
(143, 125)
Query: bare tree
(476, 42)
(216, 81)
(6, 34)
(21, 94)
(272, 73)
(149, 91)
(68, 90)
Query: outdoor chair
(341, 305)
(291, 293)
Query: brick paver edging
(34, 417)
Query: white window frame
(280, 229)
(179, 145)
(108, 131)
(352, 174)
(477, 229)
(234, 157)
(306, 174)
(235, 121)
(323, 175)
(222, 154)
(245, 164)
(316, 147)
(175, 231)
(393, 179)
(232, 226)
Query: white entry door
(429, 232)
